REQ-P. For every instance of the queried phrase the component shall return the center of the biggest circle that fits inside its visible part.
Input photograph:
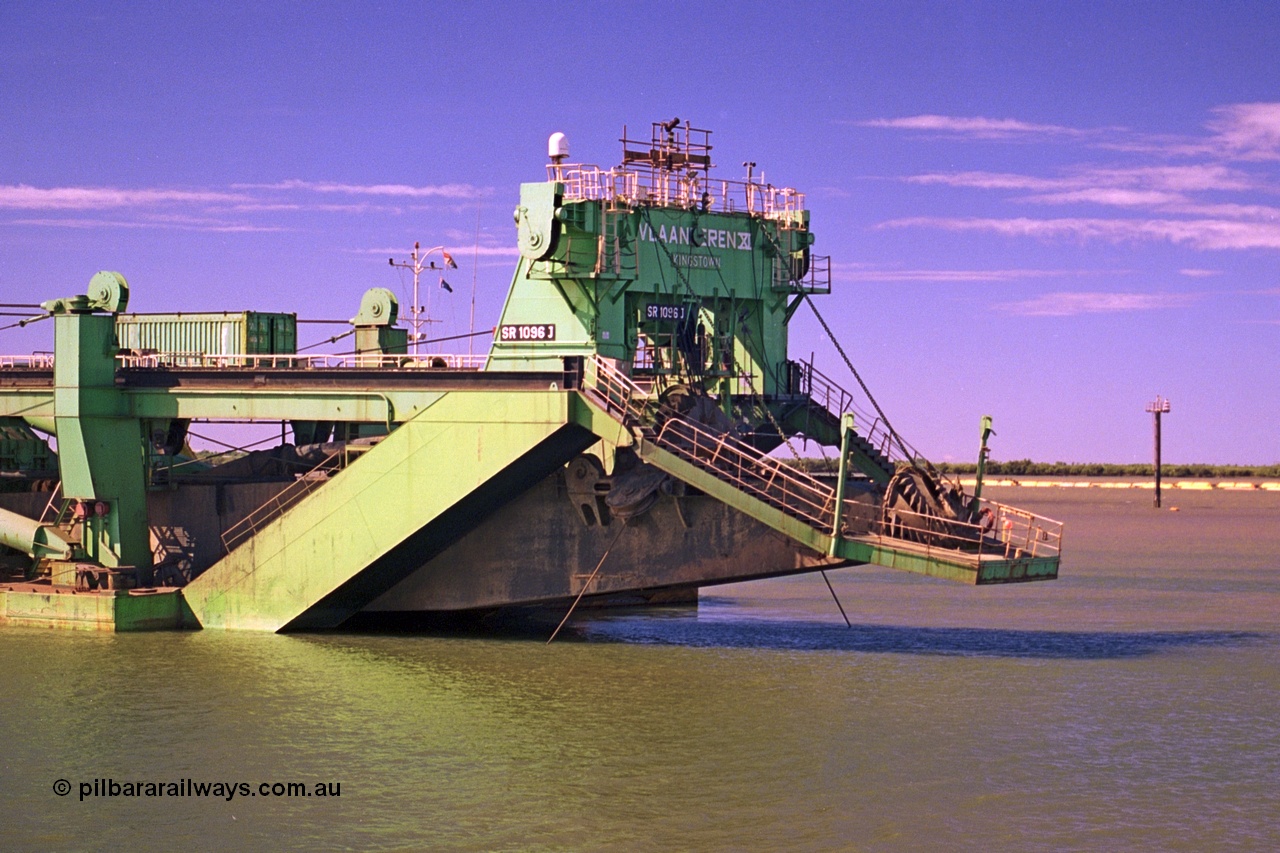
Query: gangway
(1012, 546)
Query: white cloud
(1189, 178)
(1114, 196)
(1071, 304)
(176, 224)
(1170, 181)
(1197, 233)
(217, 209)
(24, 197)
(460, 253)
(1261, 212)
(1248, 131)
(978, 127)
(276, 207)
(859, 272)
(1196, 272)
(453, 191)
(989, 181)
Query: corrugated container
(209, 333)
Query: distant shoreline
(1084, 482)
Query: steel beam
(420, 489)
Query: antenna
(417, 263)
(558, 150)
(475, 265)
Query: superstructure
(637, 403)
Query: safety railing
(836, 400)
(822, 390)
(620, 394)
(663, 188)
(750, 471)
(1003, 532)
(346, 361)
(793, 276)
(653, 353)
(280, 503)
(37, 361)
(731, 459)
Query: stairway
(430, 481)
(799, 506)
(812, 418)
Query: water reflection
(784, 634)
(720, 623)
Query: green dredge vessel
(615, 443)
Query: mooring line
(833, 595)
(587, 585)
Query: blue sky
(1046, 212)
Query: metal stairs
(1014, 546)
(871, 456)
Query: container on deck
(189, 337)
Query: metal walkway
(1013, 546)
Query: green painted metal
(1008, 571)
(370, 403)
(221, 333)
(654, 258)
(950, 564)
(106, 610)
(33, 538)
(99, 442)
(842, 479)
(678, 270)
(107, 291)
(421, 488)
(987, 432)
(375, 324)
(21, 450)
(794, 528)
(653, 264)
(365, 406)
(378, 307)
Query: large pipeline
(31, 537)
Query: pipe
(31, 537)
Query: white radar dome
(558, 146)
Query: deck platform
(46, 606)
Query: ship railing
(871, 426)
(653, 352)
(659, 352)
(663, 188)
(822, 390)
(1004, 532)
(36, 361)
(790, 276)
(747, 469)
(279, 503)
(314, 361)
(619, 392)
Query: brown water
(1131, 705)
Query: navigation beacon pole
(1157, 408)
(417, 263)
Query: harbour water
(1132, 705)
